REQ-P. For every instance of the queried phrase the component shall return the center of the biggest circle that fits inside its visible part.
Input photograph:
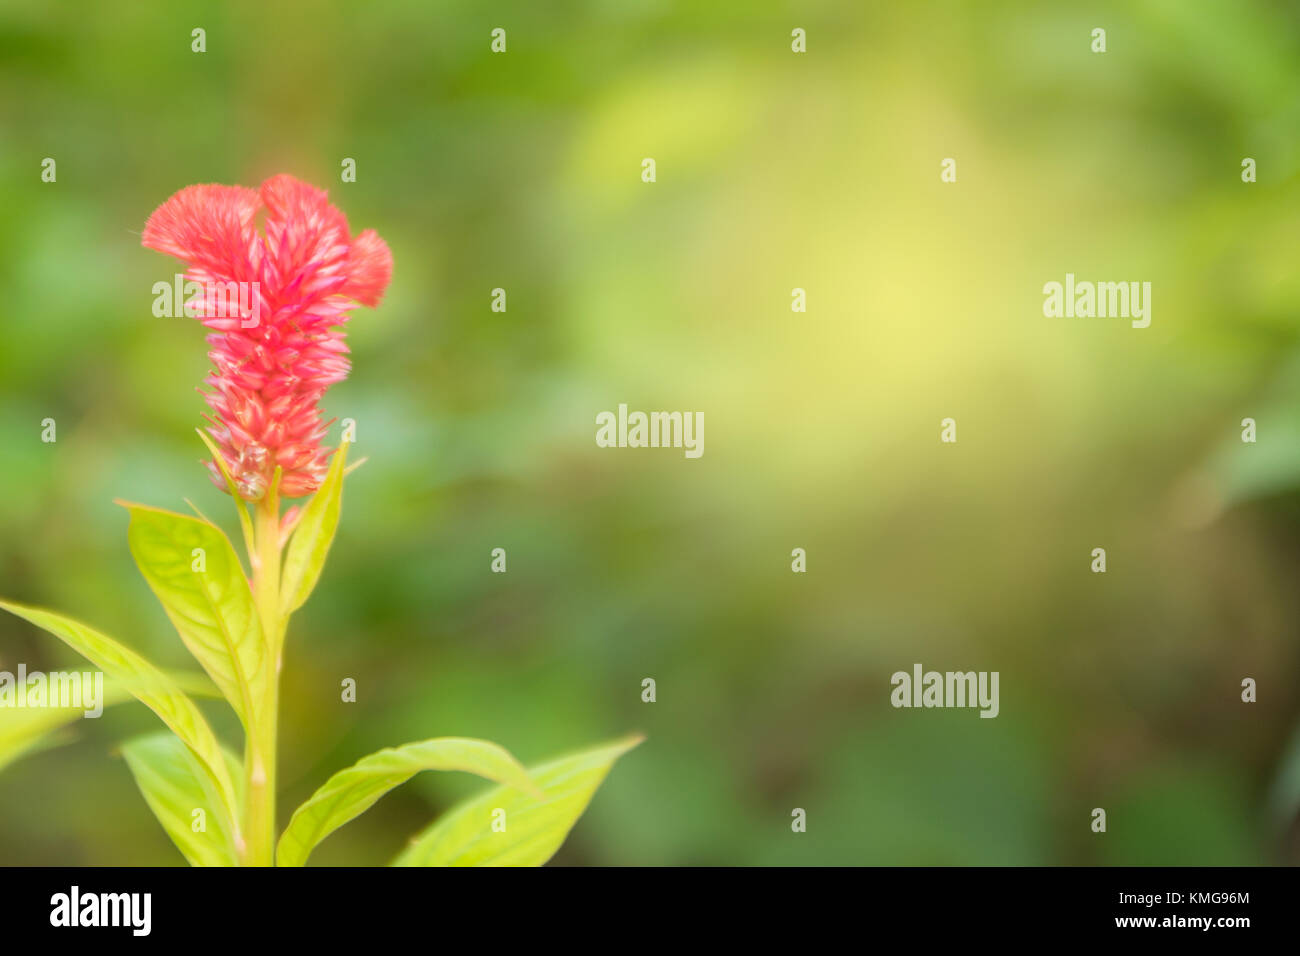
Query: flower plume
(277, 343)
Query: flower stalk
(260, 745)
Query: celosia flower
(275, 356)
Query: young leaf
(143, 681)
(174, 786)
(193, 570)
(311, 540)
(351, 792)
(245, 522)
(533, 829)
(23, 731)
(28, 730)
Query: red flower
(277, 342)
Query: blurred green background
(775, 171)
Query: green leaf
(351, 792)
(534, 829)
(143, 681)
(174, 786)
(212, 609)
(26, 730)
(305, 557)
(245, 522)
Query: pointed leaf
(212, 609)
(310, 544)
(351, 792)
(174, 786)
(534, 829)
(24, 731)
(245, 522)
(143, 681)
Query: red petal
(369, 268)
(209, 227)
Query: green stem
(260, 746)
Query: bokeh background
(775, 171)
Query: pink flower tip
(276, 302)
